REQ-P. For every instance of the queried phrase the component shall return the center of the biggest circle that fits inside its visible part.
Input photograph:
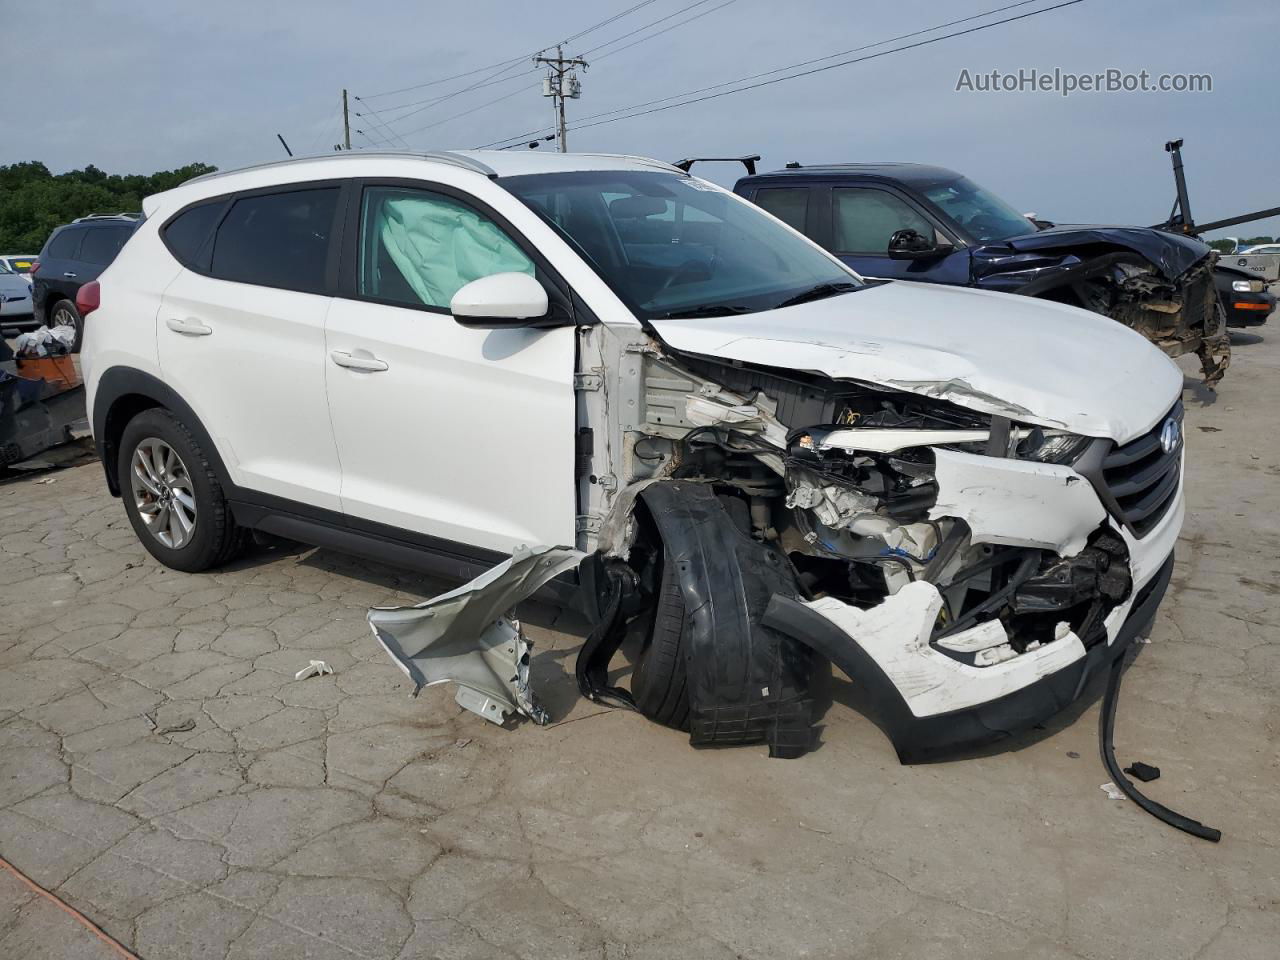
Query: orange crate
(58, 371)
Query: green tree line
(33, 201)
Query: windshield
(982, 214)
(669, 245)
(17, 264)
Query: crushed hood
(1030, 360)
(1171, 254)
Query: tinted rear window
(101, 244)
(65, 244)
(189, 235)
(277, 240)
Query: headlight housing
(1052, 447)
(1246, 286)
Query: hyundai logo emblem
(1170, 435)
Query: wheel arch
(122, 394)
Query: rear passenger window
(788, 204)
(277, 240)
(65, 244)
(101, 244)
(189, 235)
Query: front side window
(982, 214)
(277, 240)
(670, 245)
(101, 244)
(418, 248)
(788, 204)
(866, 218)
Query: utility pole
(561, 83)
(346, 122)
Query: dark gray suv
(73, 255)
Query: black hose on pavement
(1106, 733)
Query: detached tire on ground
(658, 683)
(64, 313)
(172, 496)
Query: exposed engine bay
(851, 501)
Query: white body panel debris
(467, 637)
(317, 668)
(1019, 503)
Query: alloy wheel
(163, 492)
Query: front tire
(64, 313)
(172, 496)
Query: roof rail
(648, 161)
(441, 156)
(460, 160)
(748, 161)
(122, 215)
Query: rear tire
(64, 313)
(659, 681)
(172, 496)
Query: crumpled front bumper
(930, 704)
(939, 735)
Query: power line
(803, 63)
(378, 121)
(658, 33)
(513, 60)
(833, 66)
(602, 23)
(444, 96)
(653, 23)
(487, 103)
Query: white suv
(439, 359)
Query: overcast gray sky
(134, 87)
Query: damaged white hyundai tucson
(610, 382)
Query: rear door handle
(352, 362)
(68, 273)
(189, 327)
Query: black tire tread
(228, 538)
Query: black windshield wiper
(710, 310)
(820, 292)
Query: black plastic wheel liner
(747, 682)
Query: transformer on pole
(562, 83)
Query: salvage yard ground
(163, 772)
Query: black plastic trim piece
(747, 681)
(919, 739)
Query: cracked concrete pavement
(335, 817)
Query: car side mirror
(500, 300)
(911, 244)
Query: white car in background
(15, 299)
(15, 263)
(511, 366)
